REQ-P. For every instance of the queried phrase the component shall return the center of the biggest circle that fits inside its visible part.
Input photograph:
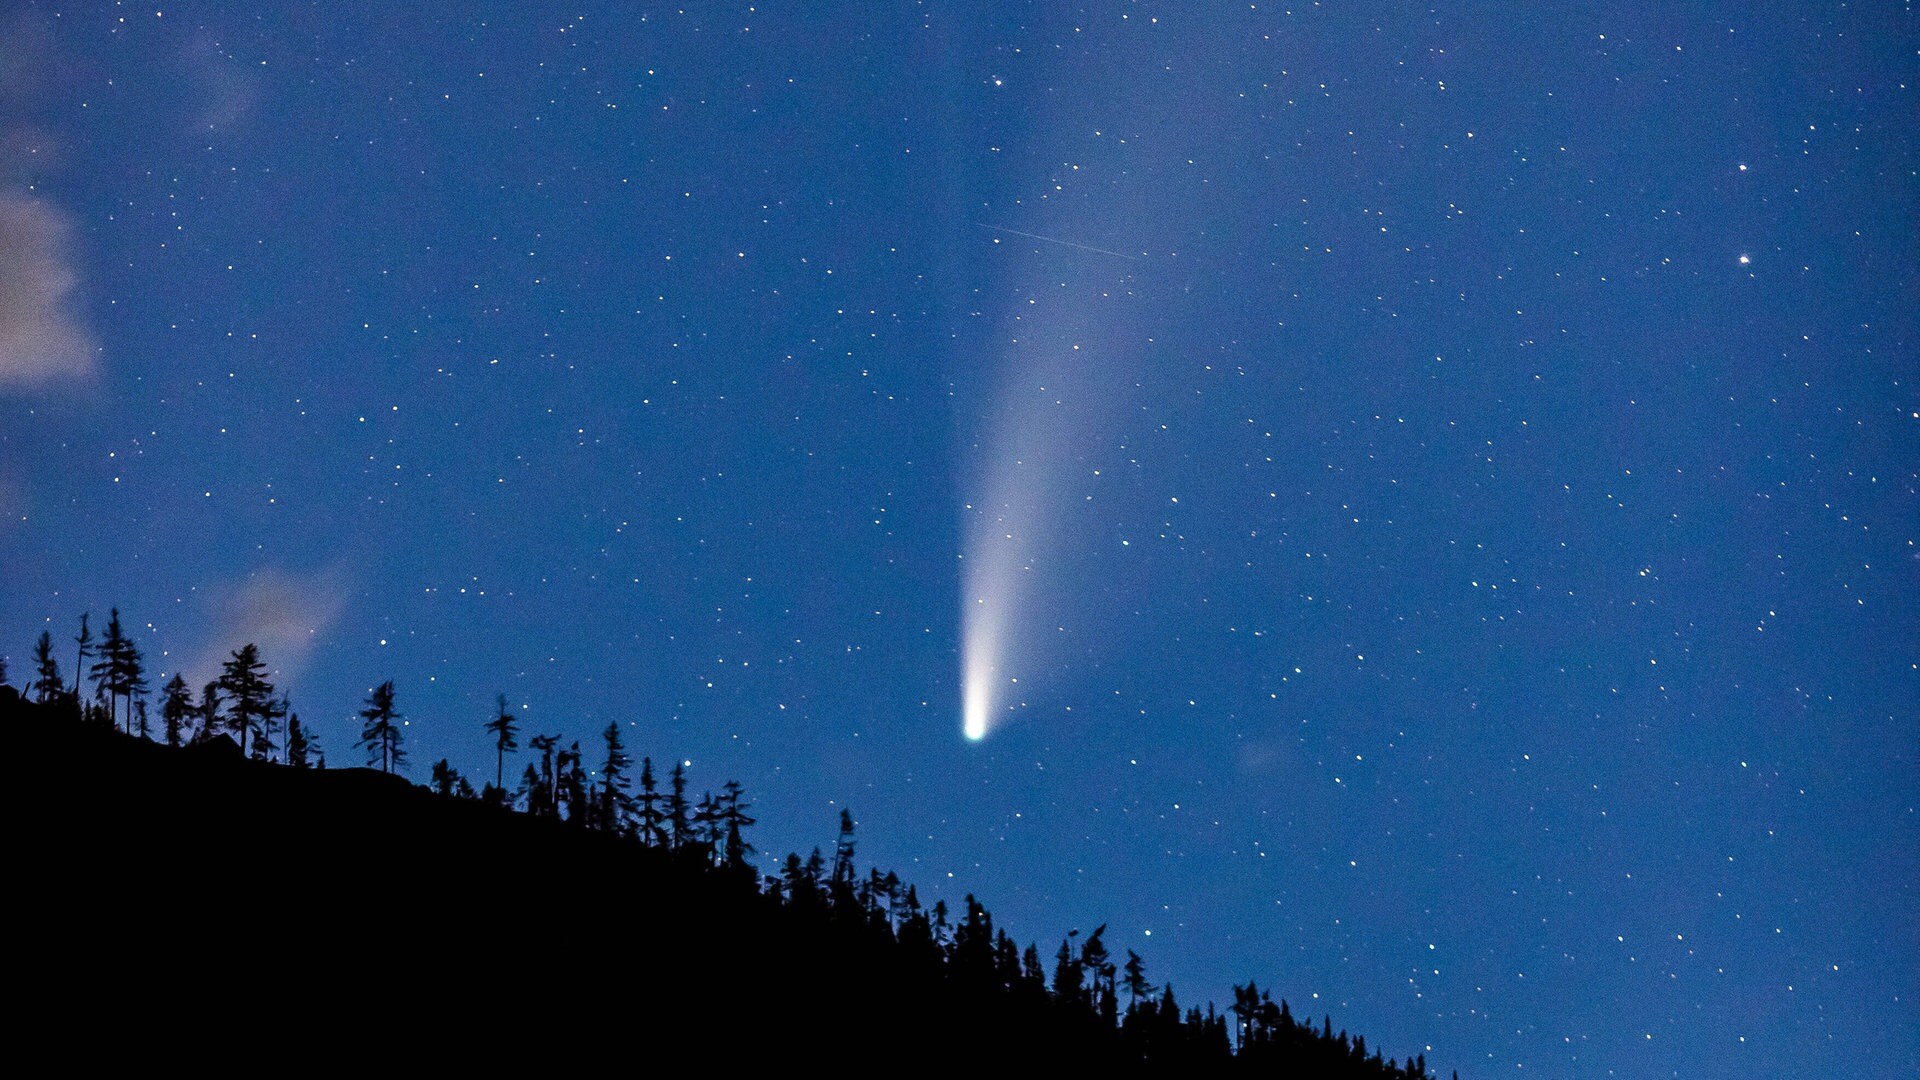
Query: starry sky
(1459, 465)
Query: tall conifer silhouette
(447, 781)
(707, 827)
(208, 712)
(843, 855)
(1095, 961)
(302, 750)
(540, 783)
(1067, 985)
(46, 684)
(1135, 974)
(85, 642)
(265, 745)
(135, 683)
(134, 687)
(733, 814)
(679, 828)
(504, 730)
(381, 732)
(109, 673)
(616, 806)
(652, 819)
(248, 694)
(570, 784)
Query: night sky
(1435, 490)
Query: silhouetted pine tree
(248, 694)
(653, 831)
(302, 749)
(708, 830)
(802, 881)
(916, 939)
(176, 709)
(733, 812)
(868, 893)
(1245, 1003)
(570, 785)
(266, 745)
(110, 673)
(548, 784)
(447, 781)
(1033, 974)
(881, 895)
(616, 806)
(1095, 961)
(840, 887)
(1165, 1028)
(380, 734)
(942, 932)
(504, 730)
(535, 792)
(85, 642)
(1006, 962)
(1068, 985)
(679, 828)
(1135, 980)
(792, 879)
(972, 957)
(891, 883)
(46, 684)
(134, 687)
(208, 712)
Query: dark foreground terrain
(186, 907)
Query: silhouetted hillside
(184, 905)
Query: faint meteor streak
(1056, 240)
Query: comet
(1067, 346)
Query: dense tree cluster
(1089, 997)
(240, 703)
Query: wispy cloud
(42, 337)
(286, 614)
(228, 90)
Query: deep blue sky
(1478, 589)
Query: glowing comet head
(979, 648)
(976, 710)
